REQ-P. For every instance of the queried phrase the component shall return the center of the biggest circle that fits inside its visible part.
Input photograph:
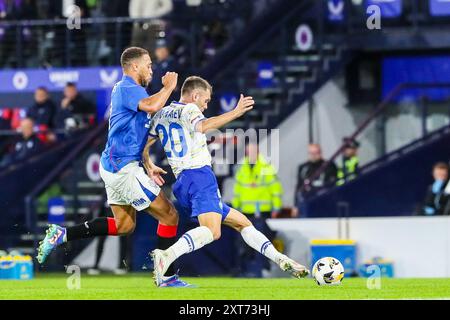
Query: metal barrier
(376, 114)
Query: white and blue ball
(328, 271)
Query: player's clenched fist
(244, 105)
(169, 80)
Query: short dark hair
(440, 165)
(195, 82)
(42, 88)
(130, 54)
(351, 143)
(71, 84)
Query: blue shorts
(197, 192)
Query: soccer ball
(328, 271)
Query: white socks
(192, 240)
(260, 243)
(197, 238)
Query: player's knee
(215, 231)
(125, 226)
(245, 223)
(242, 224)
(216, 234)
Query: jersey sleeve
(153, 123)
(134, 95)
(191, 116)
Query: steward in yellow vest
(349, 169)
(257, 189)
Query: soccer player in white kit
(181, 127)
(128, 187)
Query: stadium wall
(418, 246)
(334, 118)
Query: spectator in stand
(305, 187)
(75, 102)
(436, 199)
(350, 162)
(113, 9)
(58, 51)
(27, 145)
(43, 109)
(164, 63)
(64, 120)
(74, 106)
(307, 169)
(61, 9)
(15, 10)
(145, 33)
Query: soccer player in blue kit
(181, 127)
(129, 188)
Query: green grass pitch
(140, 286)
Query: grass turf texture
(140, 286)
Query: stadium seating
(271, 61)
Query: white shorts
(130, 186)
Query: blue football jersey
(128, 126)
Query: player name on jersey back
(171, 113)
(175, 126)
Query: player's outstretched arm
(153, 170)
(156, 102)
(244, 105)
(146, 152)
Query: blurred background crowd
(362, 112)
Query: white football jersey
(175, 125)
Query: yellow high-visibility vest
(350, 170)
(257, 189)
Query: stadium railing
(100, 40)
(296, 73)
(377, 121)
(51, 43)
(379, 111)
(334, 45)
